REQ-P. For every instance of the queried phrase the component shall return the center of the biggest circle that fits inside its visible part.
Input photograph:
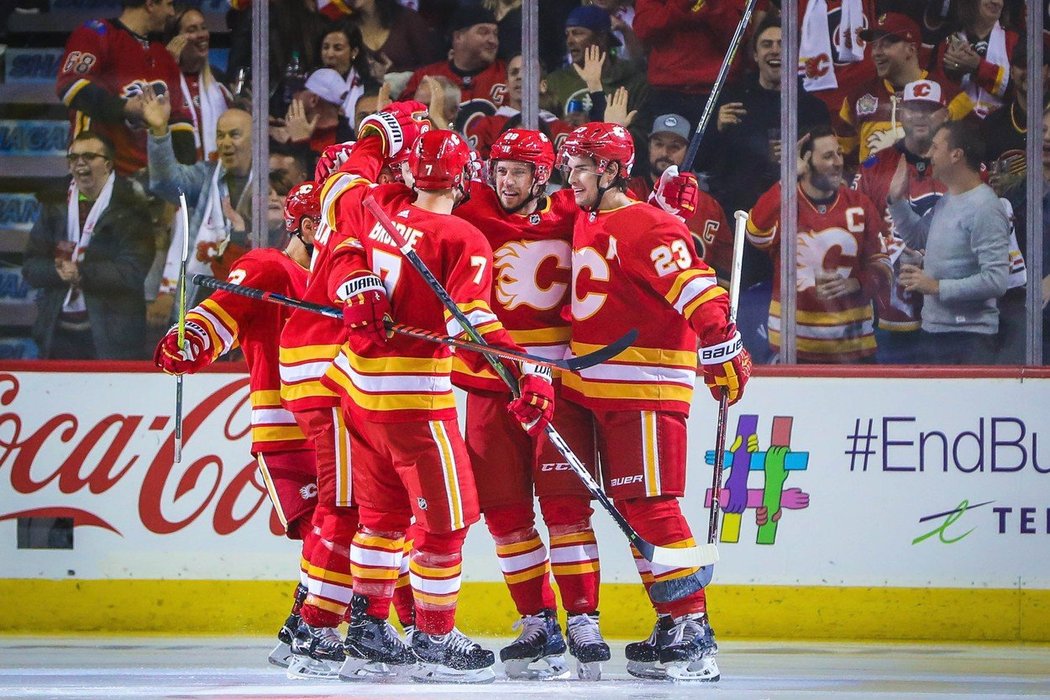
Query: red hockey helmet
(528, 146)
(604, 142)
(302, 200)
(440, 160)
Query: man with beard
(840, 263)
(922, 113)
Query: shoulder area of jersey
(99, 26)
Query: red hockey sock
(375, 560)
(437, 560)
(522, 557)
(574, 551)
(660, 521)
(329, 582)
(404, 604)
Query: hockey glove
(366, 307)
(676, 193)
(727, 365)
(175, 360)
(535, 407)
(332, 158)
(399, 125)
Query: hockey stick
(665, 556)
(709, 551)
(571, 365)
(185, 213)
(716, 89)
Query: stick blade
(597, 357)
(678, 588)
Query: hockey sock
(404, 605)
(375, 560)
(660, 521)
(574, 551)
(330, 586)
(437, 561)
(522, 557)
(310, 536)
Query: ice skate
(539, 642)
(587, 646)
(643, 658)
(282, 653)
(373, 649)
(317, 652)
(451, 658)
(688, 648)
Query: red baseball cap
(893, 24)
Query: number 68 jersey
(636, 267)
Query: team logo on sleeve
(867, 105)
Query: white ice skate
(643, 658)
(317, 652)
(587, 646)
(282, 653)
(451, 658)
(539, 651)
(688, 648)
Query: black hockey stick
(716, 89)
(571, 365)
(665, 556)
(709, 551)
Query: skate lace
(584, 630)
(687, 630)
(459, 642)
(532, 628)
(327, 637)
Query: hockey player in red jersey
(841, 263)
(531, 237)
(226, 320)
(635, 265)
(106, 66)
(409, 458)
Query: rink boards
(912, 505)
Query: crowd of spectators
(878, 80)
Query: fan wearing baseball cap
(869, 114)
(922, 111)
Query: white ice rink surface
(113, 667)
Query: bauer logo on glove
(195, 353)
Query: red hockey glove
(727, 365)
(366, 307)
(676, 193)
(332, 158)
(175, 360)
(399, 125)
(535, 407)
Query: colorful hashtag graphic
(769, 502)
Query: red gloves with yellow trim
(366, 307)
(535, 407)
(175, 360)
(727, 366)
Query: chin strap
(309, 246)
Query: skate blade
(305, 668)
(704, 670)
(363, 670)
(650, 670)
(435, 673)
(281, 655)
(553, 668)
(589, 670)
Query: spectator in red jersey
(472, 64)
(483, 132)
(397, 38)
(107, 65)
(203, 88)
(687, 41)
(977, 57)
(922, 113)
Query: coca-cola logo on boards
(92, 459)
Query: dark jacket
(112, 274)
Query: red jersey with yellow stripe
(405, 379)
(232, 320)
(637, 267)
(844, 236)
(532, 257)
(310, 341)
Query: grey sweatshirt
(967, 242)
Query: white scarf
(354, 89)
(214, 100)
(985, 102)
(815, 43)
(81, 239)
